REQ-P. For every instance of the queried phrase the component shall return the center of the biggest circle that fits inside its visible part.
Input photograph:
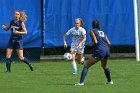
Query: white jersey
(77, 35)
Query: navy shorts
(101, 54)
(15, 45)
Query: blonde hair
(81, 21)
(23, 16)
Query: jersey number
(101, 33)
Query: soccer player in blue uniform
(78, 42)
(18, 29)
(101, 53)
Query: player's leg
(104, 64)
(24, 59)
(80, 58)
(8, 59)
(74, 66)
(91, 61)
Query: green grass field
(57, 77)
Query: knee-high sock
(74, 66)
(8, 64)
(83, 74)
(107, 73)
(28, 63)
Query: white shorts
(77, 50)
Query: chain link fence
(33, 54)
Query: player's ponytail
(23, 16)
(82, 22)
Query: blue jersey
(15, 26)
(101, 39)
(101, 48)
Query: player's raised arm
(108, 42)
(93, 37)
(6, 28)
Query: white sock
(74, 66)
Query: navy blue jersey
(101, 48)
(101, 40)
(15, 26)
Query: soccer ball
(67, 56)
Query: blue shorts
(101, 54)
(15, 45)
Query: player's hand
(79, 45)
(15, 32)
(3, 27)
(65, 45)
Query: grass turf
(57, 77)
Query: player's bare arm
(93, 37)
(108, 42)
(6, 28)
(24, 32)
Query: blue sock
(8, 64)
(28, 63)
(107, 73)
(83, 74)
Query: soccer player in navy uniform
(18, 29)
(101, 53)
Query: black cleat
(31, 67)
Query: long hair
(23, 16)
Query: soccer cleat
(75, 73)
(83, 60)
(111, 82)
(31, 67)
(79, 84)
(8, 71)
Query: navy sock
(83, 74)
(107, 73)
(28, 63)
(8, 64)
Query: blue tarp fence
(116, 20)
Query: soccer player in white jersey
(78, 42)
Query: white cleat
(83, 60)
(75, 73)
(79, 84)
(111, 82)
